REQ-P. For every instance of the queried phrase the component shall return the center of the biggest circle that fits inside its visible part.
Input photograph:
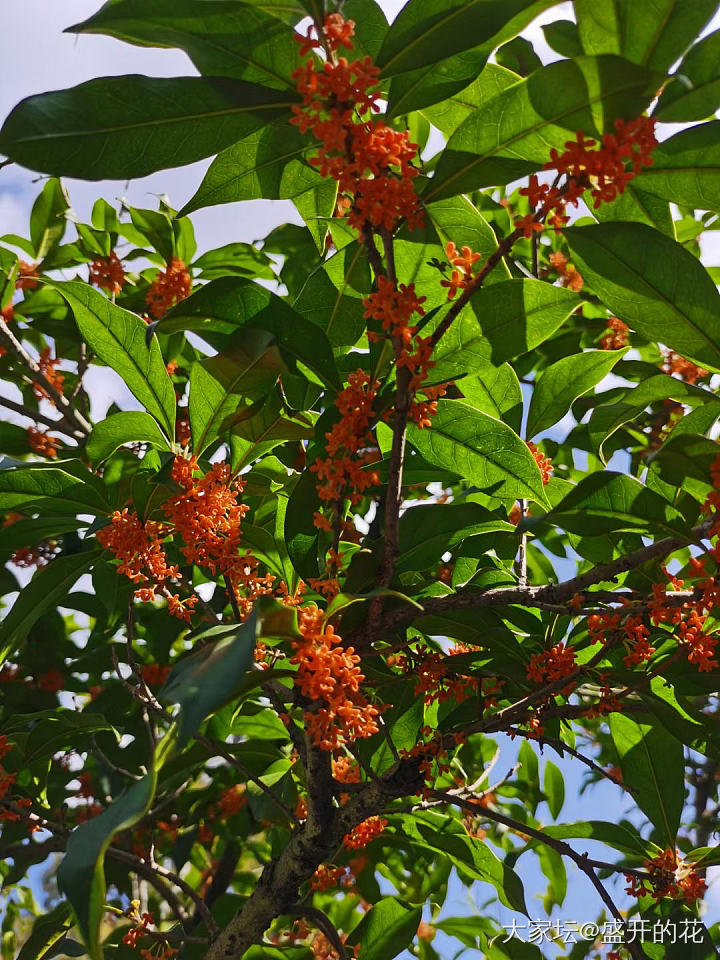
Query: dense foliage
(434, 470)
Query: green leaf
(231, 304)
(224, 385)
(223, 39)
(560, 384)
(653, 283)
(270, 163)
(495, 390)
(519, 56)
(66, 729)
(301, 535)
(121, 127)
(28, 532)
(81, 876)
(429, 531)
(386, 929)
(426, 31)
(450, 113)
(622, 837)
(206, 680)
(653, 33)
(639, 205)
(554, 788)
(686, 168)
(607, 501)
(511, 135)
(118, 337)
(562, 36)
(234, 259)
(458, 219)
(270, 426)
(47, 220)
(67, 488)
(130, 426)
(445, 836)
(421, 88)
(694, 94)
(485, 451)
(502, 321)
(47, 589)
(46, 931)
(652, 765)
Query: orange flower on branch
(364, 833)
(617, 337)
(543, 462)
(168, 288)
(48, 365)
(463, 262)
(668, 876)
(687, 370)
(27, 278)
(41, 442)
(107, 273)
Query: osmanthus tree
(287, 596)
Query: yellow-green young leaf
(502, 321)
(653, 284)
(386, 929)
(131, 426)
(652, 766)
(46, 590)
(554, 788)
(511, 135)
(560, 384)
(686, 168)
(118, 337)
(121, 127)
(608, 501)
(653, 33)
(484, 451)
(47, 220)
(222, 39)
(426, 31)
(206, 680)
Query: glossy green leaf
(47, 929)
(428, 531)
(270, 163)
(223, 38)
(234, 259)
(459, 220)
(560, 384)
(554, 788)
(694, 94)
(67, 488)
(451, 76)
(686, 168)
(47, 220)
(118, 337)
(386, 929)
(130, 426)
(511, 135)
(28, 532)
(224, 387)
(562, 36)
(620, 836)
(426, 31)
(502, 321)
(231, 304)
(653, 33)
(450, 113)
(67, 728)
(640, 205)
(207, 679)
(485, 451)
(121, 127)
(652, 283)
(615, 501)
(270, 426)
(301, 535)
(652, 765)
(495, 390)
(47, 589)
(81, 876)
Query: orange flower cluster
(208, 517)
(635, 632)
(430, 750)
(329, 673)
(571, 278)
(47, 365)
(435, 679)
(136, 933)
(27, 278)
(364, 833)
(154, 674)
(107, 273)
(51, 680)
(668, 876)
(617, 337)
(42, 443)
(232, 800)
(543, 462)
(372, 163)
(168, 288)
(139, 547)
(328, 878)
(38, 556)
(687, 370)
(605, 168)
(350, 446)
(463, 262)
(554, 664)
